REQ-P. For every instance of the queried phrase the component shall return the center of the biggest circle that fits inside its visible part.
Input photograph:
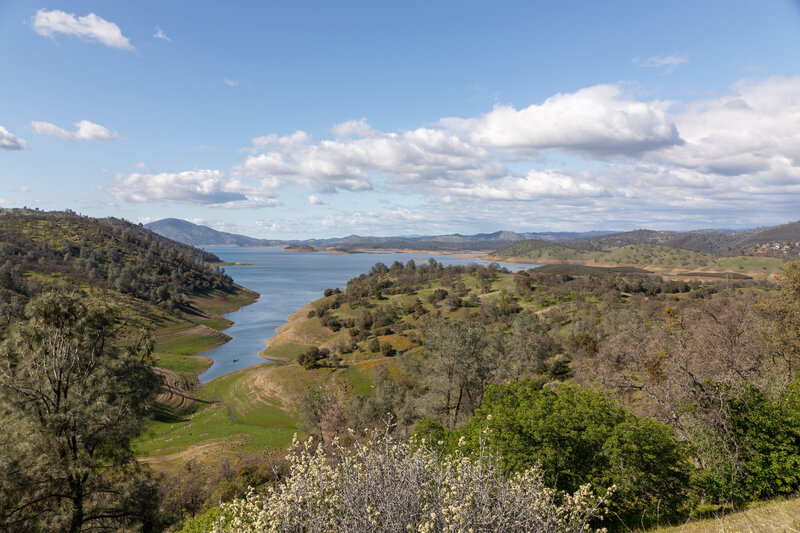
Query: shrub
(756, 452)
(579, 436)
(388, 485)
(387, 350)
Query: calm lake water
(286, 282)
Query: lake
(286, 282)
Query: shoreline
(247, 297)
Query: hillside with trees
(663, 259)
(62, 248)
(175, 290)
(679, 392)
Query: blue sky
(320, 119)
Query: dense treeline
(39, 249)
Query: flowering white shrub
(387, 485)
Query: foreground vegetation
(71, 401)
(386, 485)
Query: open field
(655, 257)
(248, 410)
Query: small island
(299, 248)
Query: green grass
(191, 364)
(218, 323)
(358, 380)
(284, 352)
(765, 265)
(264, 413)
(181, 341)
(259, 422)
(217, 301)
(210, 425)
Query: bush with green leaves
(753, 450)
(578, 436)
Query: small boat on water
(236, 360)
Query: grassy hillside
(617, 250)
(656, 255)
(173, 289)
(545, 251)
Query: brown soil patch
(264, 386)
(204, 452)
(290, 333)
(175, 392)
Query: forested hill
(41, 249)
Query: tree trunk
(77, 508)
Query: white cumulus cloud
(9, 141)
(535, 185)
(731, 160)
(209, 188)
(88, 28)
(84, 131)
(599, 121)
(751, 129)
(423, 155)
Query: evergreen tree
(71, 402)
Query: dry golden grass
(777, 515)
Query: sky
(324, 119)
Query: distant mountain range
(197, 235)
(777, 241)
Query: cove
(286, 282)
